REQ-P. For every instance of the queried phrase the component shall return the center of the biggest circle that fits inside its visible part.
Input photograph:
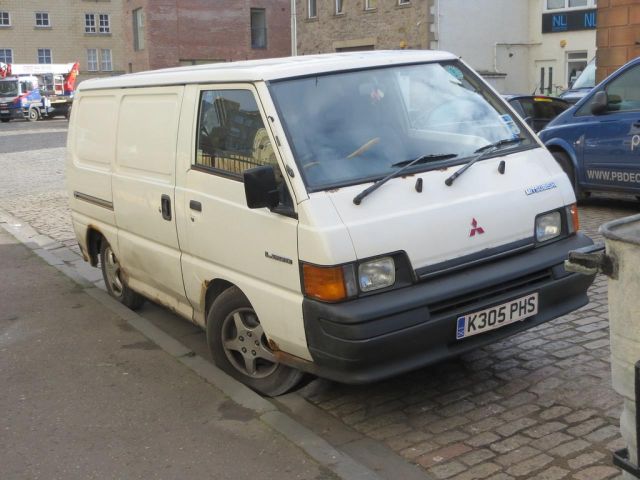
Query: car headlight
(376, 274)
(548, 226)
(347, 281)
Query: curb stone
(60, 257)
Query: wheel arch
(94, 243)
(215, 287)
(561, 146)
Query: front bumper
(376, 337)
(12, 113)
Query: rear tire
(565, 163)
(239, 346)
(4, 120)
(113, 278)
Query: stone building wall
(618, 36)
(390, 25)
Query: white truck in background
(35, 91)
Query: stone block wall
(390, 25)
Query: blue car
(597, 141)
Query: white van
(352, 215)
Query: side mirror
(600, 103)
(260, 187)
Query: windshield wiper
(482, 153)
(405, 164)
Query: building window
(6, 55)
(404, 2)
(258, 28)
(44, 55)
(42, 19)
(370, 4)
(105, 56)
(138, 29)
(339, 7)
(104, 23)
(312, 11)
(90, 23)
(92, 59)
(5, 21)
(576, 63)
(569, 4)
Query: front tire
(565, 163)
(34, 115)
(4, 120)
(113, 278)
(239, 346)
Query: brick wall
(388, 26)
(618, 37)
(183, 31)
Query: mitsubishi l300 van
(353, 215)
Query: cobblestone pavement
(536, 406)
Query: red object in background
(5, 70)
(70, 80)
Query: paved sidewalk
(84, 395)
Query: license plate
(496, 317)
(4, 111)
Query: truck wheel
(565, 163)
(34, 115)
(239, 346)
(112, 275)
(4, 120)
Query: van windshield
(352, 127)
(587, 78)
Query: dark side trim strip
(93, 200)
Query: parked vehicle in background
(583, 84)
(353, 215)
(537, 110)
(597, 141)
(35, 91)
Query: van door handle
(195, 205)
(165, 202)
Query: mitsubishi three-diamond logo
(475, 228)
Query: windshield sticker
(511, 125)
(540, 188)
(455, 72)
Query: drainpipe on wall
(294, 33)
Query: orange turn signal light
(324, 283)
(575, 218)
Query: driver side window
(231, 135)
(624, 92)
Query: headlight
(376, 274)
(548, 226)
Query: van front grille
(458, 304)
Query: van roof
(267, 69)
